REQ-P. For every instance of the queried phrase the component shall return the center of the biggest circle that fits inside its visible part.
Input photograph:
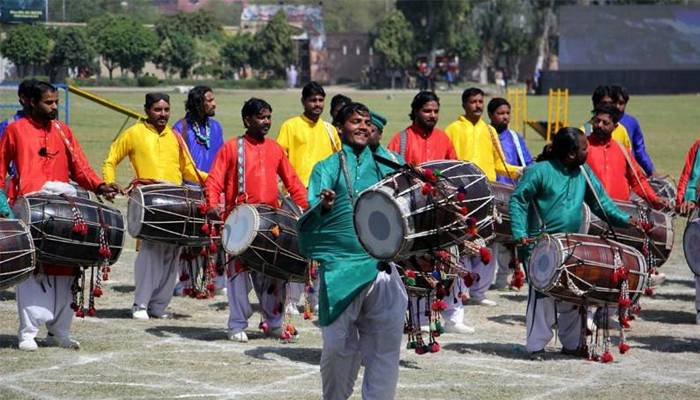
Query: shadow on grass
(219, 305)
(123, 288)
(514, 296)
(190, 332)
(113, 313)
(509, 319)
(8, 341)
(683, 282)
(669, 344)
(7, 295)
(504, 350)
(668, 316)
(674, 296)
(298, 354)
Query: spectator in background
(620, 98)
(292, 76)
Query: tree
(123, 42)
(72, 49)
(177, 47)
(273, 50)
(237, 49)
(26, 46)
(393, 40)
(435, 23)
(346, 16)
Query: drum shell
(582, 254)
(444, 221)
(50, 218)
(264, 255)
(661, 234)
(168, 214)
(17, 255)
(691, 242)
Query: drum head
(379, 223)
(544, 262)
(240, 229)
(134, 213)
(691, 245)
(22, 210)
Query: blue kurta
(3, 125)
(510, 150)
(202, 153)
(329, 237)
(634, 131)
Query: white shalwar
(486, 273)
(503, 257)
(541, 319)
(697, 294)
(155, 274)
(368, 332)
(270, 292)
(45, 299)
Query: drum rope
(600, 204)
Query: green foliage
(437, 24)
(147, 80)
(26, 45)
(273, 49)
(236, 52)
(393, 40)
(124, 42)
(195, 24)
(348, 16)
(72, 49)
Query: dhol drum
(661, 234)
(691, 242)
(17, 256)
(168, 214)
(52, 220)
(407, 214)
(265, 240)
(501, 221)
(579, 268)
(665, 187)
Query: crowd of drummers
(375, 241)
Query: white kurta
(43, 299)
(369, 331)
(155, 274)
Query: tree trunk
(484, 65)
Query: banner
(22, 11)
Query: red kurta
(422, 146)
(610, 165)
(264, 162)
(22, 144)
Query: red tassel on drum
(184, 277)
(429, 175)
(464, 210)
(410, 273)
(624, 348)
(607, 357)
(97, 292)
(518, 280)
(435, 347)
(468, 279)
(202, 208)
(80, 313)
(460, 196)
(205, 229)
(426, 189)
(91, 312)
(213, 247)
(649, 291)
(439, 305)
(264, 327)
(485, 255)
(624, 302)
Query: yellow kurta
(620, 134)
(153, 155)
(306, 143)
(480, 144)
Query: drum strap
(346, 173)
(597, 199)
(497, 147)
(240, 165)
(403, 142)
(334, 144)
(67, 142)
(631, 166)
(516, 141)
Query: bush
(247, 84)
(147, 80)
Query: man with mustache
(42, 150)
(603, 95)
(476, 141)
(362, 301)
(204, 137)
(262, 161)
(307, 139)
(156, 153)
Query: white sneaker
(291, 309)
(65, 342)
(28, 345)
(459, 328)
(237, 335)
(485, 302)
(139, 314)
(657, 280)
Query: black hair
(348, 110)
(194, 105)
(254, 106)
(619, 93)
(37, 90)
(611, 110)
(469, 92)
(311, 89)
(154, 97)
(420, 100)
(599, 93)
(25, 87)
(565, 141)
(339, 100)
(495, 103)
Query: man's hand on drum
(327, 199)
(687, 207)
(108, 190)
(637, 223)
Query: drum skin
(414, 216)
(168, 214)
(50, 219)
(585, 263)
(501, 221)
(274, 249)
(661, 234)
(17, 256)
(665, 187)
(691, 242)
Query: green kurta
(558, 194)
(329, 237)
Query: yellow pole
(524, 107)
(549, 113)
(566, 107)
(106, 103)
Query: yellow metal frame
(557, 111)
(517, 97)
(106, 103)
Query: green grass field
(188, 356)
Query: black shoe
(574, 352)
(537, 355)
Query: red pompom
(607, 357)
(624, 302)
(410, 273)
(420, 350)
(624, 348)
(485, 255)
(184, 277)
(205, 229)
(468, 279)
(186, 292)
(460, 196)
(426, 189)
(79, 313)
(213, 247)
(202, 208)
(97, 292)
(439, 305)
(264, 327)
(464, 211)
(73, 306)
(314, 272)
(518, 280)
(105, 277)
(211, 287)
(649, 291)
(91, 312)
(435, 347)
